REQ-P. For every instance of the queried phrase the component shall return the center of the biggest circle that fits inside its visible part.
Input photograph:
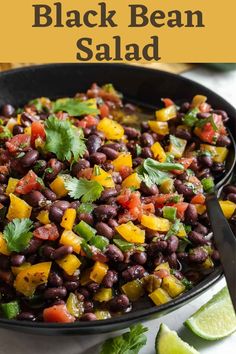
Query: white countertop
(18, 343)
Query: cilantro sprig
(88, 190)
(202, 122)
(74, 107)
(17, 234)
(63, 139)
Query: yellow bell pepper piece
(27, 130)
(201, 208)
(160, 296)
(102, 314)
(11, 186)
(68, 219)
(111, 129)
(160, 128)
(17, 270)
(104, 294)
(198, 100)
(133, 289)
(104, 178)
(227, 207)
(18, 208)
(98, 272)
(164, 265)
(208, 263)
(177, 146)
(172, 285)
(181, 232)
(69, 238)
(158, 152)
(219, 153)
(58, 187)
(43, 217)
(69, 263)
(165, 114)
(131, 232)
(28, 279)
(11, 123)
(124, 159)
(3, 246)
(132, 180)
(167, 186)
(74, 306)
(155, 223)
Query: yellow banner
(118, 30)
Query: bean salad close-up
(102, 203)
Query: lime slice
(168, 342)
(216, 319)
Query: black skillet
(142, 85)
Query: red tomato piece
(57, 313)
(87, 122)
(186, 162)
(104, 110)
(19, 142)
(37, 131)
(198, 199)
(47, 232)
(168, 102)
(28, 183)
(181, 208)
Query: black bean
(26, 316)
(75, 204)
(83, 292)
(30, 158)
(215, 255)
(87, 132)
(4, 262)
(204, 173)
(48, 252)
(172, 260)
(146, 139)
(86, 217)
(108, 193)
(114, 254)
(153, 190)
(119, 303)
(4, 199)
(115, 146)
(54, 167)
(201, 229)
(229, 189)
(88, 306)
(223, 114)
(116, 177)
(193, 276)
(144, 127)
(232, 197)
(183, 189)
(110, 279)
(89, 316)
(52, 293)
(35, 199)
(197, 255)
(17, 129)
(79, 166)
(3, 178)
(97, 158)
(155, 247)
(8, 111)
(191, 215)
(223, 140)
(71, 285)
(139, 258)
(62, 204)
(33, 246)
(110, 153)
(104, 230)
(172, 244)
(197, 238)
(146, 152)
(50, 195)
(93, 143)
(27, 119)
(112, 223)
(107, 166)
(105, 212)
(206, 160)
(55, 279)
(183, 134)
(131, 133)
(134, 272)
(93, 287)
(39, 167)
(185, 106)
(55, 214)
(182, 256)
(6, 277)
(203, 115)
(218, 167)
(62, 252)
(17, 259)
(137, 161)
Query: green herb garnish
(75, 107)
(17, 234)
(88, 190)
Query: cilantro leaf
(5, 133)
(88, 190)
(128, 343)
(74, 107)
(63, 139)
(17, 234)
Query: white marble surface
(18, 343)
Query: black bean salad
(97, 215)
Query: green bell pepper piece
(100, 242)
(10, 310)
(190, 118)
(85, 230)
(123, 245)
(169, 213)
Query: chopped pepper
(131, 232)
(155, 223)
(111, 129)
(85, 230)
(3, 246)
(133, 289)
(124, 159)
(160, 128)
(58, 187)
(69, 238)
(227, 207)
(160, 296)
(18, 208)
(177, 146)
(43, 217)
(11, 186)
(68, 219)
(166, 114)
(98, 272)
(158, 152)
(169, 213)
(74, 306)
(69, 263)
(132, 180)
(10, 309)
(172, 285)
(99, 242)
(103, 295)
(104, 178)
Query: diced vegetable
(208, 184)
(167, 186)
(98, 272)
(166, 114)
(18, 208)
(111, 129)
(190, 118)
(160, 128)
(28, 279)
(198, 199)
(155, 223)
(158, 152)
(169, 213)
(132, 180)
(208, 263)
(122, 244)
(103, 295)
(102, 314)
(228, 208)
(68, 219)
(124, 159)
(69, 263)
(69, 238)
(198, 100)
(28, 183)
(58, 187)
(99, 242)
(219, 153)
(104, 178)
(47, 232)
(10, 309)
(3, 246)
(74, 306)
(200, 208)
(133, 289)
(164, 265)
(43, 217)
(160, 296)
(11, 186)
(177, 146)
(131, 232)
(85, 230)
(17, 270)
(57, 314)
(172, 286)
(182, 232)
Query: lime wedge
(216, 319)
(168, 342)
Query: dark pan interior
(139, 84)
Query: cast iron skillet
(140, 84)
